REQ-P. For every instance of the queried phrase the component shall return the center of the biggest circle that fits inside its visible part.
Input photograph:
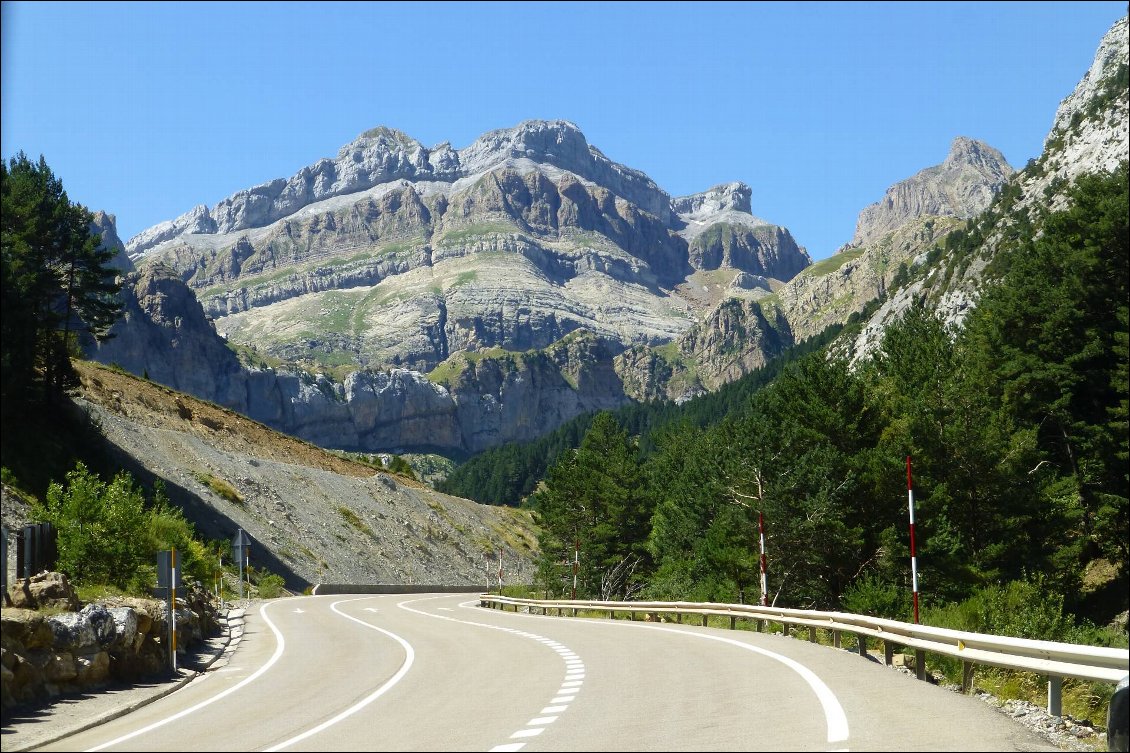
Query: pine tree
(57, 282)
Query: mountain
(1090, 134)
(439, 298)
(402, 297)
(962, 186)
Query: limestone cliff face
(736, 338)
(165, 335)
(721, 232)
(105, 225)
(962, 186)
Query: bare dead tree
(618, 579)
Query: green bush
(871, 595)
(108, 536)
(270, 586)
(99, 526)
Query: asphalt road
(440, 673)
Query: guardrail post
(861, 644)
(733, 622)
(679, 618)
(760, 625)
(836, 638)
(920, 664)
(888, 652)
(1055, 695)
(704, 620)
(966, 676)
(785, 629)
(811, 634)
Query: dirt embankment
(314, 517)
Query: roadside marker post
(168, 578)
(764, 581)
(241, 553)
(913, 552)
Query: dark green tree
(1048, 346)
(595, 496)
(57, 282)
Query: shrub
(99, 526)
(874, 596)
(270, 586)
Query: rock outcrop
(962, 186)
(105, 226)
(1090, 134)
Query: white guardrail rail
(1049, 658)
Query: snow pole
(913, 552)
(761, 537)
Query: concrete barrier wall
(323, 589)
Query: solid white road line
(181, 714)
(409, 657)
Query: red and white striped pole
(576, 564)
(761, 536)
(913, 552)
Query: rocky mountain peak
(962, 186)
(106, 225)
(384, 155)
(968, 152)
(726, 197)
(557, 142)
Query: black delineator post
(36, 550)
(241, 553)
(168, 579)
(4, 557)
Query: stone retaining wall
(49, 646)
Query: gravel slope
(313, 517)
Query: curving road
(439, 673)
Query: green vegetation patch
(832, 263)
(449, 371)
(354, 520)
(455, 237)
(220, 487)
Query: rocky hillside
(753, 325)
(1090, 134)
(315, 517)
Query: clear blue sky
(145, 110)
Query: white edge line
(409, 657)
(270, 662)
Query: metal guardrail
(1049, 658)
